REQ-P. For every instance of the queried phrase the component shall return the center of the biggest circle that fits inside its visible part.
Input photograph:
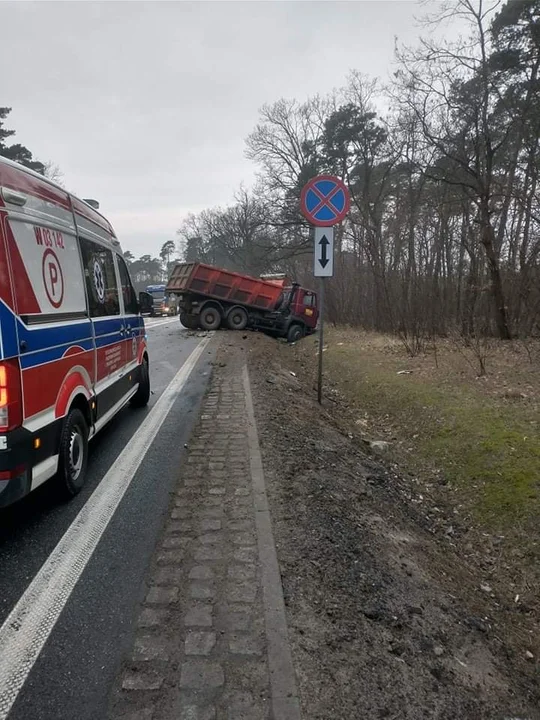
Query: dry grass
(480, 434)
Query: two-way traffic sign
(324, 252)
(325, 202)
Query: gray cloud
(145, 106)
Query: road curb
(285, 701)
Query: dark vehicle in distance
(162, 304)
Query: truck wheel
(210, 318)
(142, 396)
(237, 319)
(295, 333)
(73, 454)
(191, 322)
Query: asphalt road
(73, 674)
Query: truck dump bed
(211, 282)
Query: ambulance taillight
(10, 395)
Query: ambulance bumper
(20, 455)
(15, 488)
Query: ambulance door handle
(23, 346)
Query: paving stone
(150, 617)
(243, 501)
(242, 592)
(212, 501)
(212, 512)
(244, 524)
(198, 712)
(239, 513)
(200, 642)
(181, 513)
(208, 552)
(245, 554)
(217, 491)
(191, 482)
(169, 576)
(162, 595)
(201, 572)
(210, 524)
(142, 681)
(214, 538)
(174, 526)
(238, 620)
(199, 616)
(202, 590)
(242, 706)
(149, 647)
(176, 541)
(244, 491)
(170, 557)
(243, 538)
(201, 675)
(242, 572)
(141, 714)
(245, 645)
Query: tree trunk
(497, 293)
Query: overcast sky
(145, 106)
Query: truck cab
(295, 315)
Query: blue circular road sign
(325, 200)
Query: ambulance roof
(89, 210)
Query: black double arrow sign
(324, 259)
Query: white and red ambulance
(72, 341)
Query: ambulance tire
(142, 396)
(73, 454)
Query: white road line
(25, 631)
(161, 322)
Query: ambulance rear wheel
(142, 396)
(73, 455)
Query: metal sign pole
(321, 340)
(324, 201)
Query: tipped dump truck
(210, 298)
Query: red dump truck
(210, 298)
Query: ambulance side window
(131, 306)
(100, 279)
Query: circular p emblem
(53, 278)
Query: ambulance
(73, 346)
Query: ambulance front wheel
(142, 396)
(73, 455)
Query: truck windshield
(156, 293)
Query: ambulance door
(133, 327)
(107, 319)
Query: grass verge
(479, 435)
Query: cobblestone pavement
(211, 642)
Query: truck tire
(295, 333)
(237, 318)
(73, 454)
(191, 322)
(210, 318)
(142, 396)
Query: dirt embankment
(387, 618)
